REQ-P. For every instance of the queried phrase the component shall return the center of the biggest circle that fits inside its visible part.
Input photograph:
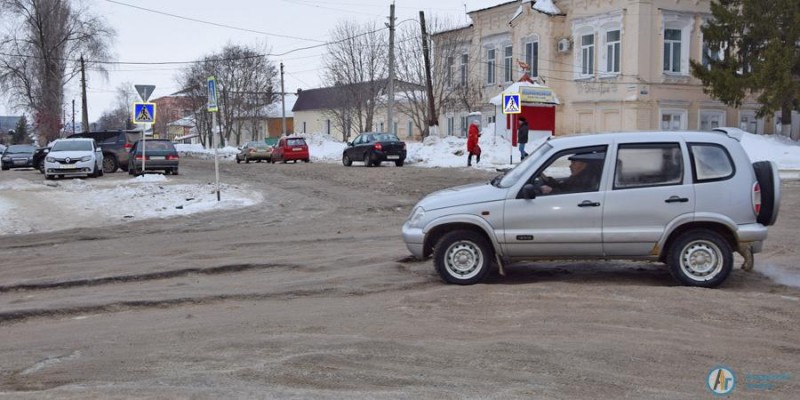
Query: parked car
(17, 156)
(73, 157)
(116, 147)
(157, 154)
(373, 148)
(290, 148)
(686, 199)
(255, 151)
(38, 158)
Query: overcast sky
(285, 25)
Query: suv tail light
(756, 198)
(140, 157)
(378, 147)
(128, 147)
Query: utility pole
(390, 92)
(85, 109)
(72, 128)
(283, 105)
(433, 122)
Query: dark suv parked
(116, 147)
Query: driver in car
(585, 170)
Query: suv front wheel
(700, 258)
(462, 257)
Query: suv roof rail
(734, 133)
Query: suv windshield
(72, 145)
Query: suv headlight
(50, 159)
(415, 219)
(86, 158)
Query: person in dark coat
(472, 143)
(522, 137)
(585, 170)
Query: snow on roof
(545, 6)
(517, 87)
(275, 110)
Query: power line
(212, 23)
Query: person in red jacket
(472, 143)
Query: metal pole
(433, 121)
(85, 110)
(283, 105)
(216, 155)
(390, 92)
(144, 147)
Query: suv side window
(650, 164)
(572, 171)
(710, 162)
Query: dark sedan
(373, 148)
(155, 155)
(17, 156)
(38, 158)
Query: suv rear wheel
(700, 258)
(110, 163)
(462, 257)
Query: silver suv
(687, 199)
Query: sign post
(511, 105)
(213, 108)
(144, 114)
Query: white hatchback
(74, 157)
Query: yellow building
(616, 65)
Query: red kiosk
(537, 105)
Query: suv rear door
(649, 191)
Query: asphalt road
(312, 294)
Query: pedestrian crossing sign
(144, 113)
(511, 103)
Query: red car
(290, 149)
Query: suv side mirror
(529, 191)
(100, 149)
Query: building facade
(616, 65)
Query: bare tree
(245, 81)
(356, 62)
(119, 117)
(41, 47)
(453, 89)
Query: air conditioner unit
(564, 45)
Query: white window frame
(491, 66)
(681, 22)
(448, 78)
(508, 63)
(531, 50)
(748, 122)
(673, 112)
(587, 51)
(464, 126)
(612, 52)
(450, 125)
(410, 126)
(710, 116)
(464, 69)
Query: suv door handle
(587, 203)
(676, 199)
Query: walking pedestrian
(522, 137)
(472, 143)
